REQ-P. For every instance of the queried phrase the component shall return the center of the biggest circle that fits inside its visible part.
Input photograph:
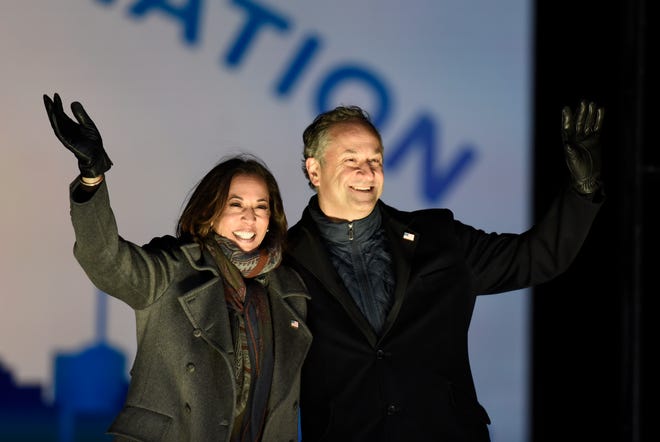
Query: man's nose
(366, 168)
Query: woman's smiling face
(246, 214)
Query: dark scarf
(243, 277)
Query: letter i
(298, 63)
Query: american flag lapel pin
(295, 324)
(408, 236)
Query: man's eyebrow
(349, 150)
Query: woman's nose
(248, 214)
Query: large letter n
(422, 136)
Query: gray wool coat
(182, 384)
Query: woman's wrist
(91, 182)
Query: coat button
(190, 367)
(187, 408)
(380, 354)
(197, 333)
(391, 410)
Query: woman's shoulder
(167, 242)
(287, 282)
(176, 248)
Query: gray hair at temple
(316, 136)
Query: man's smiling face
(349, 180)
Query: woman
(221, 338)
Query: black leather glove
(81, 138)
(581, 138)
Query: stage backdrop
(176, 85)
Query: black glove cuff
(96, 168)
(596, 196)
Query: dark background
(592, 326)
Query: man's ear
(313, 166)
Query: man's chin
(364, 206)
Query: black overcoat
(413, 382)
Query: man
(392, 292)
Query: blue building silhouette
(90, 388)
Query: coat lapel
(206, 310)
(403, 242)
(291, 339)
(205, 304)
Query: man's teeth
(362, 188)
(245, 235)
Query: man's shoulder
(419, 215)
(303, 224)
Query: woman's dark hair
(210, 195)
